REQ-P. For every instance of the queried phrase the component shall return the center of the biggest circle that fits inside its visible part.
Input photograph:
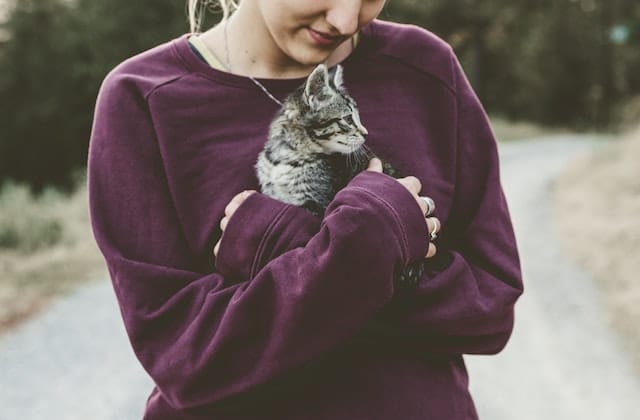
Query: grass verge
(46, 250)
(506, 130)
(597, 204)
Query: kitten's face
(332, 118)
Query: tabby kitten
(315, 146)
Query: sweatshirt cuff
(261, 229)
(403, 206)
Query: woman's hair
(196, 10)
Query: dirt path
(563, 363)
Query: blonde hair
(196, 9)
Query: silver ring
(431, 206)
(433, 235)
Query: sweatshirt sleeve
(201, 340)
(465, 301)
(276, 227)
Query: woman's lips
(324, 39)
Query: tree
(50, 72)
(551, 61)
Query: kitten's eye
(327, 123)
(349, 119)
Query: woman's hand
(414, 186)
(411, 183)
(228, 212)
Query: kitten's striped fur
(306, 158)
(315, 146)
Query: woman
(286, 315)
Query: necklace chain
(253, 79)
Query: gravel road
(562, 363)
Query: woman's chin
(309, 54)
(309, 57)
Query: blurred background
(570, 63)
(564, 74)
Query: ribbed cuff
(293, 229)
(244, 235)
(261, 229)
(403, 206)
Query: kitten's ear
(317, 81)
(337, 77)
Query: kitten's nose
(363, 130)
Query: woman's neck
(254, 53)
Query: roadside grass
(506, 130)
(46, 249)
(596, 205)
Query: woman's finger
(437, 226)
(429, 207)
(236, 201)
(424, 205)
(412, 184)
(375, 165)
(231, 207)
(223, 223)
(434, 225)
(431, 251)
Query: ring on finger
(431, 206)
(433, 235)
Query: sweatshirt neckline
(195, 64)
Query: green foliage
(627, 113)
(549, 61)
(50, 72)
(26, 222)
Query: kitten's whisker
(367, 151)
(364, 153)
(354, 157)
(361, 159)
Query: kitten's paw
(409, 276)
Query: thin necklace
(260, 85)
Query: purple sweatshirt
(296, 318)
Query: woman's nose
(344, 15)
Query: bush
(26, 222)
(627, 113)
